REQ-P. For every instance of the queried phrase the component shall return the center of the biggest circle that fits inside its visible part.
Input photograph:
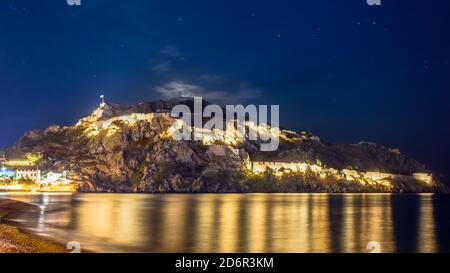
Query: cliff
(129, 149)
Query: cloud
(162, 67)
(175, 89)
(178, 89)
(168, 56)
(171, 52)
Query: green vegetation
(2, 214)
(36, 158)
(305, 182)
(184, 170)
(163, 170)
(137, 176)
(7, 181)
(25, 182)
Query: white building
(53, 178)
(32, 174)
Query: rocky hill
(129, 149)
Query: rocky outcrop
(128, 149)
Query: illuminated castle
(283, 168)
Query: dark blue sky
(342, 69)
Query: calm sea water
(242, 222)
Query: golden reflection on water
(427, 239)
(240, 222)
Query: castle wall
(351, 175)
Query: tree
(34, 157)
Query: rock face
(128, 149)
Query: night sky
(344, 70)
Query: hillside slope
(129, 149)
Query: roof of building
(23, 168)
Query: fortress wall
(351, 175)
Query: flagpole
(102, 97)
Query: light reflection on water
(242, 222)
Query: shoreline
(15, 240)
(221, 193)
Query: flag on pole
(102, 97)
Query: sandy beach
(15, 240)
